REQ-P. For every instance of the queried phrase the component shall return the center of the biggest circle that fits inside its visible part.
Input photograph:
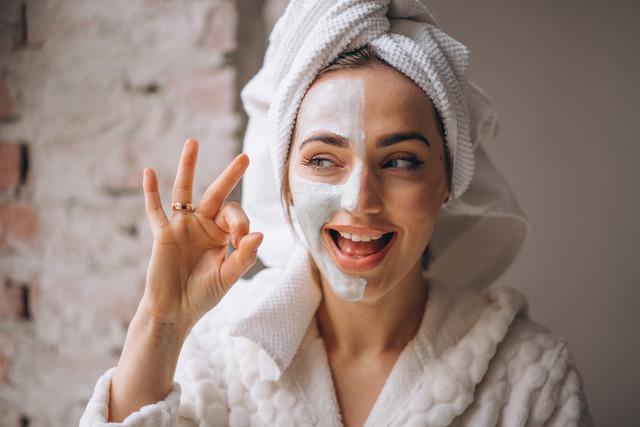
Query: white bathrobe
(257, 359)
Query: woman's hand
(188, 274)
(189, 271)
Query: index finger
(215, 195)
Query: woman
(374, 136)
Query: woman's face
(367, 178)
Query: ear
(445, 199)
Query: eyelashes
(410, 163)
(318, 162)
(404, 163)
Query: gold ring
(178, 206)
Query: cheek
(313, 202)
(413, 205)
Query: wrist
(145, 321)
(147, 364)
(148, 317)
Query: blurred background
(91, 92)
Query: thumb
(240, 260)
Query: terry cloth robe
(257, 359)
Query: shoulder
(537, 376)
(523, 372)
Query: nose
(361, 194)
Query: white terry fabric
(476, 360)
(483, 211)
(162, 413)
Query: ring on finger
(180, 206)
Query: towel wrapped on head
(481, 227)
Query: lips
(358, 256)
(362, 248)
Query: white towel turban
(481, 229)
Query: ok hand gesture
(189, 271)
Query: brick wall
(91, 92)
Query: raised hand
(189, 272)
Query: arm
(182, 405)
(186, 400)
(163, 413)
(189, 273)
(147, 365)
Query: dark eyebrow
(402, 136)
(385, 141)
(327, 138)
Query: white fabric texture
(482, 213)
(161, 413)
(476, 360)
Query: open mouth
(359, 252)
(360, 246)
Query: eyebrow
(385, 141)
(327, 138)
(395, 138)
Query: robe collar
(285, 303)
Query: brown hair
(362, 57)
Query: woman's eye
(318, 162)
(406, 163)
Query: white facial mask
(314, 203)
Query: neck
(371, 327)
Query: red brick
(18, 222)
(23, 221)
(9, 166)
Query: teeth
(360, 238)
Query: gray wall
(564, 78)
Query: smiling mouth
(360, 249)
(359, 252)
